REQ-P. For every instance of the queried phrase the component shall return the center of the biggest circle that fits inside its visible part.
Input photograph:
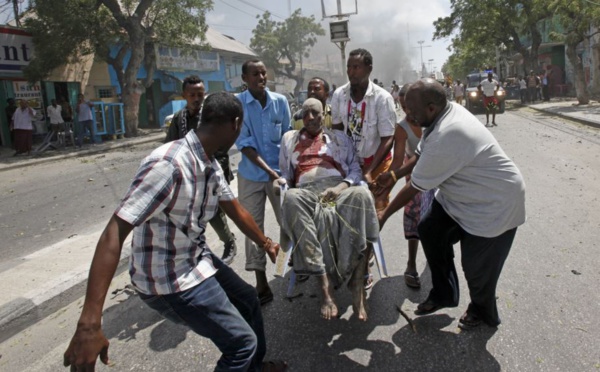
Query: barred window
(105, 92)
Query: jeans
(225, 309)
(82, 128)
(482, 261)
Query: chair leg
(381, 266)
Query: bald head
(424, 100)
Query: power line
(230, 27)
(238, 9)
(259, 8)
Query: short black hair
(432, 92)
(325, 83)
(9, 99)
(364, 54)
(191, 80)
(248, 63)
(221, 108)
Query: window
(105, 92)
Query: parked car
(474, 101)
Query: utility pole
(339, 29)
(16, 10)
(420, 42)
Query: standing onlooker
(10, 111)
(22, 126)
(488, 88)
(187, 120)
(395, 92)
(317, 88)
(56, 120)
(266, 119)
(448, 89)
(523, 89)
(545, 84)
(480, 202)
(459, 92)
(533, 82)
(84, 120)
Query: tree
(468, 56)
(283, 45)
(578, 18)
(491, 23)
(124, 33)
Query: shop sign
(173, 59)
(16, 49)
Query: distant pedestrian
(187, 120)
(523, 89)
(488, 89)
(84, 120)
(459, 92)
(22, 126)
(448, 89)
(10, 111)
(533, 83)
(545, 85)
(54, 114)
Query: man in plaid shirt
(176, 191)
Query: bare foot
(328, 309)
(359, 300)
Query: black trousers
(482, 261)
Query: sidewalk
(45, 281)
(568, 109)
(8, 161)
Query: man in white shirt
(488, 88)
(54, 113)
(459, 92)
(84, 120)
(480, 202)
(22, 127)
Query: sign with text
(173, 59)
(16, 49)
(32, 93)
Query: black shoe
(229, 252)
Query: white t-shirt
(54, 114)
(479, 186)
(489, 87)
(379, 118)
(459, 90)
(522, 84)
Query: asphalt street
(547, 293)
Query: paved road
(547, 294)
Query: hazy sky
(386, 23)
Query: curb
(91, 151)
(21, 313)
(568, 117)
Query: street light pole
(420, 42)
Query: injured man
(329, 217)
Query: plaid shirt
(174, 194)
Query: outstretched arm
(242, 219)
(88, 341)
(255, 158)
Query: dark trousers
(546, 92)
(225, 309)
(219, 224)
(482, 260)
(533, 92)
(523, 95)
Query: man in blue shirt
(266, 119)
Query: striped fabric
(174, 194)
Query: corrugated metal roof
(220, 42)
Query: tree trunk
(596, 66)
(131, 108)
(298, 87)
(583, 96)
(132, 89)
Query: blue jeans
(225, 309)
(82, 128)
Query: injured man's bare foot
(328, 308)
(357, 287)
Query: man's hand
(382, 219)
(332, 193)
(87, 343)
(272, 250)
(277, 185)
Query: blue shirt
(262, 130)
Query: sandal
(369, 281)
(274, 366)
(412, 280)
(468, 321)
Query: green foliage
(481, 25)
(282, 45)
(66, 30)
